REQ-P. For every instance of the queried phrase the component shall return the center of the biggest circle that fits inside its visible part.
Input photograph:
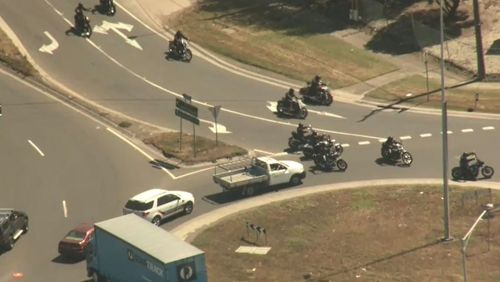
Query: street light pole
(444, 129)
(481, 72)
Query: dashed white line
(382, 140)
(405, 137)
(36, 148)
(467, 130)
(345, 145)
(364, 142)
(449, 132)
(65, 209)
(424, 135)
(488, 128)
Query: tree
(450, 7)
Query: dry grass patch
(460, 98)
(206, 150)
(279, 46)
(371, 234)
(11, 56)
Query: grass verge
(206, 149)
(387, 233)
(459, 98)
(9, 54)
(282, 38)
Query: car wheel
(188, 208)
(156, 220)
(295, 180)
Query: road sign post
(184, 110)
(215, 113)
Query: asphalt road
(95, 172)
(52, 153)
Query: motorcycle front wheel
(303, 113)
(188, 55)
(328, 100)
(341, 164)
(406, 158)
(487, 171)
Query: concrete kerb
(190, 229)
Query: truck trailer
(129, 248)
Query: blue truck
(129, 248)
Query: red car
(75, 243)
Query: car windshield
(138, 206)
(75, 235)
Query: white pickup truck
(257, 172)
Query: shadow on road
(159, 164)
(236, 195)
(67, 260)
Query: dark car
(74, 244)
(12, 224)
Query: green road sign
(184, 115)
(188, 108)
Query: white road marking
(220, 128)
(65, 209)
(488, 128)
(405, 137)
(51, 47)
(424, 135)
(449, 132)
(36, 148)
(194, 172)
(106, 26)
(139, 149)
(272, 106)
(364, 142)
(382, 140)
(345, 145)
(467, 130)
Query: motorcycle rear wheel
(456, 173)
(188, 56)
(487, 171)
(303, 113)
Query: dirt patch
(11, 57)
(371, 234)
(206, 149)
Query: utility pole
(444, 129)
(481, 72)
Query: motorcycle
(472, 172)
(322, 144)
(83, 28)
(298, 110)
(324, 97)
(108, 7)
(329, 161)
(397, 154)
(184, 54)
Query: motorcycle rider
(80, 19)
(390, 144)
(315, 85)
(467, 159)
(291, 100)
(178, 43)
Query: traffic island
(376, 233)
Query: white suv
(158, 204)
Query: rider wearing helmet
(79, 16)
(179, 38)
(316, 85)
(390, 144)
(290, 99)
(467, 159)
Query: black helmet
(291, 91)
(317, 78)
(390, 139)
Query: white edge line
(467, 130)
(194, 172)
(65, 209)
(36, 148)
(488, 128)
(139, 149)
(424, 135)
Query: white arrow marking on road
(106, 26)
(271, 105)
(220, 128)
(51, 47)
(65, 209)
